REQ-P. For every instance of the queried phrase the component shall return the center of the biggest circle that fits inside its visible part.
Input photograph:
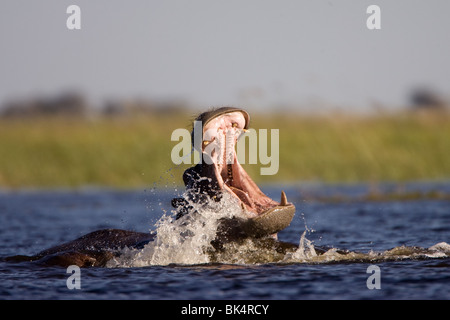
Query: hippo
(218, 173)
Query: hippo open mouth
(220, 171)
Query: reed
(130, 152)
(355, 148)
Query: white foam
(443, 247)
(183, 241)
(304, 253)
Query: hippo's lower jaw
(265, 216)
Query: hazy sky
(240, 52)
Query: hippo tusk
(283, 201)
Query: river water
(398, 246)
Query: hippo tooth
(283, 201)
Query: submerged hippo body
(94, 249)
(261, 217)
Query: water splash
(183, 241)
(190, 241)
(307, 254)
(305, 251)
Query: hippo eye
(206, 142)
(234, 125)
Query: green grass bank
(130, 152)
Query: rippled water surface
(31, 221)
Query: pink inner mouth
(219, 140)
